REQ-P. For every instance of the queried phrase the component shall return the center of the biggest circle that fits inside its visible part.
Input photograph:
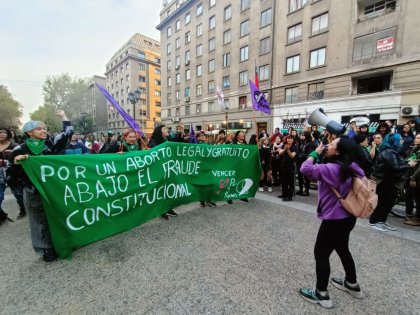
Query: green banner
(90, 197)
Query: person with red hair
(129, 142)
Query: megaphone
(318, 117)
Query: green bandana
(35, 146)
(130, 147)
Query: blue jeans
(2, 190)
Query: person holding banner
(128, 143)
(38, 143)
(239, 138)
(160, 135)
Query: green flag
(90, 197)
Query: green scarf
(130, 147)
(35, 146)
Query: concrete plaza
(245, 258)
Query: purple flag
(258, 99)
(193, 138)
(131, 122)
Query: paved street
(245, 258)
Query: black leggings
(334, 235)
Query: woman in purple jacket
(337, 223)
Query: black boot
(21, 215)
(4, 217)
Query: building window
(177, 111)
(187, 110)
(291, 95)
(242, 102)
(142, 55)
(211, 87)
(296, 4)
(245, 28)
(177, 25)
(212, 44)
(316, 91)
(169, 101)
(157, 71)
(380, 83)
(264, 73)
(169, 31)
(317, 58)
(244, 53)
(375, 44)
(199, 70)
(169, 65)
(187, 37)
(210, 107)
(178, 78)
(142, 67)
(198, 90)
(177, 62)
(266, 18)
(178, 95)
(212, 65)
(168, 48)
(199, 10)
(157, 93)
(212, 22)
(187, 74)
(319, 24)
(226, 60)
(187, 56)
(177, 43)
(187, 92)
(187, 18)
(380, 6)
(243, 78)
(199, 30)
(157, 82)
(294, 33)
(141, 79)
(169, 81)
(199, 50)
(292, 64)
(265, 45)
(226, 37)
(227, 13)
(245, 4)
(212, 3)
(198, 108)
(226, 82)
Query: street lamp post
(134, 97)
(226, 118)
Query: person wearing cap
(38, 143)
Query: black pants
(275, 164)
(287, 183)
(334, 235)
(303, 180)
(412, 194)
(387, 195)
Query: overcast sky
(50, 37)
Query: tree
(47, 115)
(10, 109)
(64, 92)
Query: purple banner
(131, 122)
(258, 99)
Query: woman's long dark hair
(157, 137)
(348, 152)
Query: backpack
(361, 199)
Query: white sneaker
(388, 226)
(270, 189)
(261, 189)
(377, 226)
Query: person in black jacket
(265, 160)
(160, 135)
(390, 170)
(366, 161)
(38, 143)
(307, 146)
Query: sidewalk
(245, 258)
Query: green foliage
(10, 109)
(47, 115)
(66, 93)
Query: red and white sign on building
(385, 44)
